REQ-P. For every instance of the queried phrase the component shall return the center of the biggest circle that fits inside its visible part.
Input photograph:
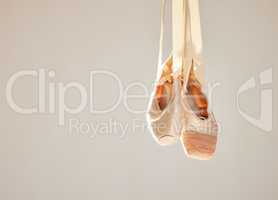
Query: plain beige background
(40, 160)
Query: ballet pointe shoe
(162, 108)
(199, 135)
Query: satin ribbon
(186, 38)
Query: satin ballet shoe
(200, 129)
(161, 111)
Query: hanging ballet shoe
(199, 132)
(162, 110)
